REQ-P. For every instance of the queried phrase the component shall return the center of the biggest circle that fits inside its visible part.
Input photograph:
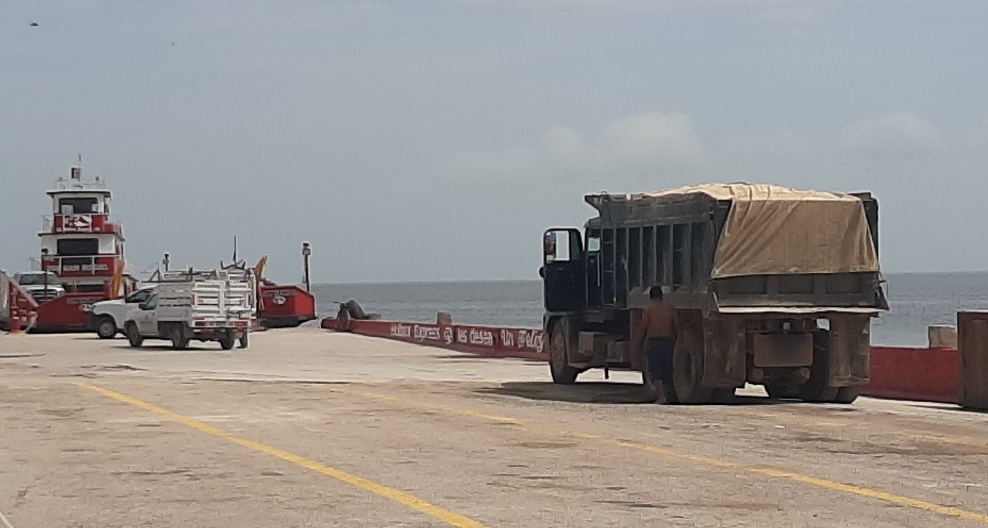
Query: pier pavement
(310, 428)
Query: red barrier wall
(482, 340)
(921, 374)
(903, 373)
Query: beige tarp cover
(774, 230)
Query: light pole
(166, 260)
(306, 252)
(44, 269)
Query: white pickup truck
(107, 318)
(215, 305)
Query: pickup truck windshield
(37, 279)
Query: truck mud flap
(723, 353)
(850, 349)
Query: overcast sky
(435, 140)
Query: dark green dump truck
(772, 285)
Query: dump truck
(771, 285)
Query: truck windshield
(139, 296)
(37, 279)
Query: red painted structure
(482, 340)
(18, 310)
(284, 306)
(68, 313)
(920, 374)
(903, 373)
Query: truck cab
(107, 318)
(771, 285)
(42, 286)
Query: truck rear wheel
(847, 394)
(134, 336)
(178, 338)
(817, 389)
(106, 328)
(559, 368)
(688, 368)
(228, 342)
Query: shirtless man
(658, 330)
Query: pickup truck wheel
(106, 328)
(133, 336)
(562, 373)
(228, 342)
(244, 340)
(178, 338)
(688, 368)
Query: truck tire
(244, 340)
(688, 368)
(781, 390)
(562, 373)
(847, 394)
(133, 336)
(817, 389)
(106, 328)
(176, 333)
(227, 342)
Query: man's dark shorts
(659, 352)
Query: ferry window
(78, 246)
(78, 205)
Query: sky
(436, 139)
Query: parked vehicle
(771, 285)
(107, 318)
(43, 286)
(211, 305)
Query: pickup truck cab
(43, 286)
(107, 318)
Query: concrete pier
(312, 428)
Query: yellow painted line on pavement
(860, 491)
(451, 518)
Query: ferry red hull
(67, 313)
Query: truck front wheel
(106, 328)
(134, 336)
(562, 373)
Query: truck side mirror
(549, 246)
